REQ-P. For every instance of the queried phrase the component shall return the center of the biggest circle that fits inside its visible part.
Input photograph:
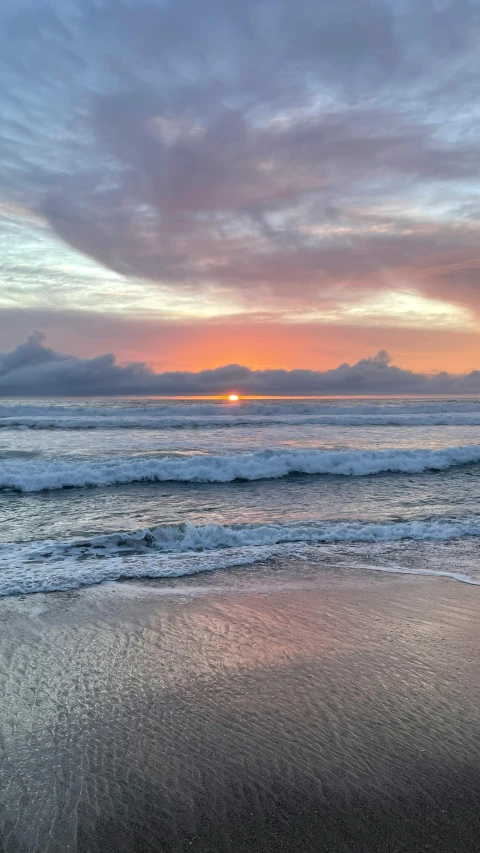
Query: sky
(190, 184)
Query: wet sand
(335, 713)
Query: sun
(233, 398)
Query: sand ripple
(342, 716)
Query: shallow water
(279, 708)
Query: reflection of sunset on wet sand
(249, 711)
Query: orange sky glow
(199, 346)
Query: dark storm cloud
(201, 143)
(34, 369)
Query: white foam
(193, 415)
(19, 578)
(38, 474)
(424, 572)
(185, 536)
(319, 406)
(185, 549)
(225, 421)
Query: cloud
(267, 208)
(276, 153)
(166, 343)
(32, 369)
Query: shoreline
(335, 712)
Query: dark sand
(336, 714)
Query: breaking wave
(228, 421)
(36, 475)
(179, 550)
(244, 414)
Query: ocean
(210, 662)
(100, 490)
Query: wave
(185, 422)
(186, 536)
(217, 415)
(178, 550)
(243, 407)
(42, 475)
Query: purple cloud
(257, 148)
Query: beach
(239, 426)
(271, 708)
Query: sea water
(100, 490)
